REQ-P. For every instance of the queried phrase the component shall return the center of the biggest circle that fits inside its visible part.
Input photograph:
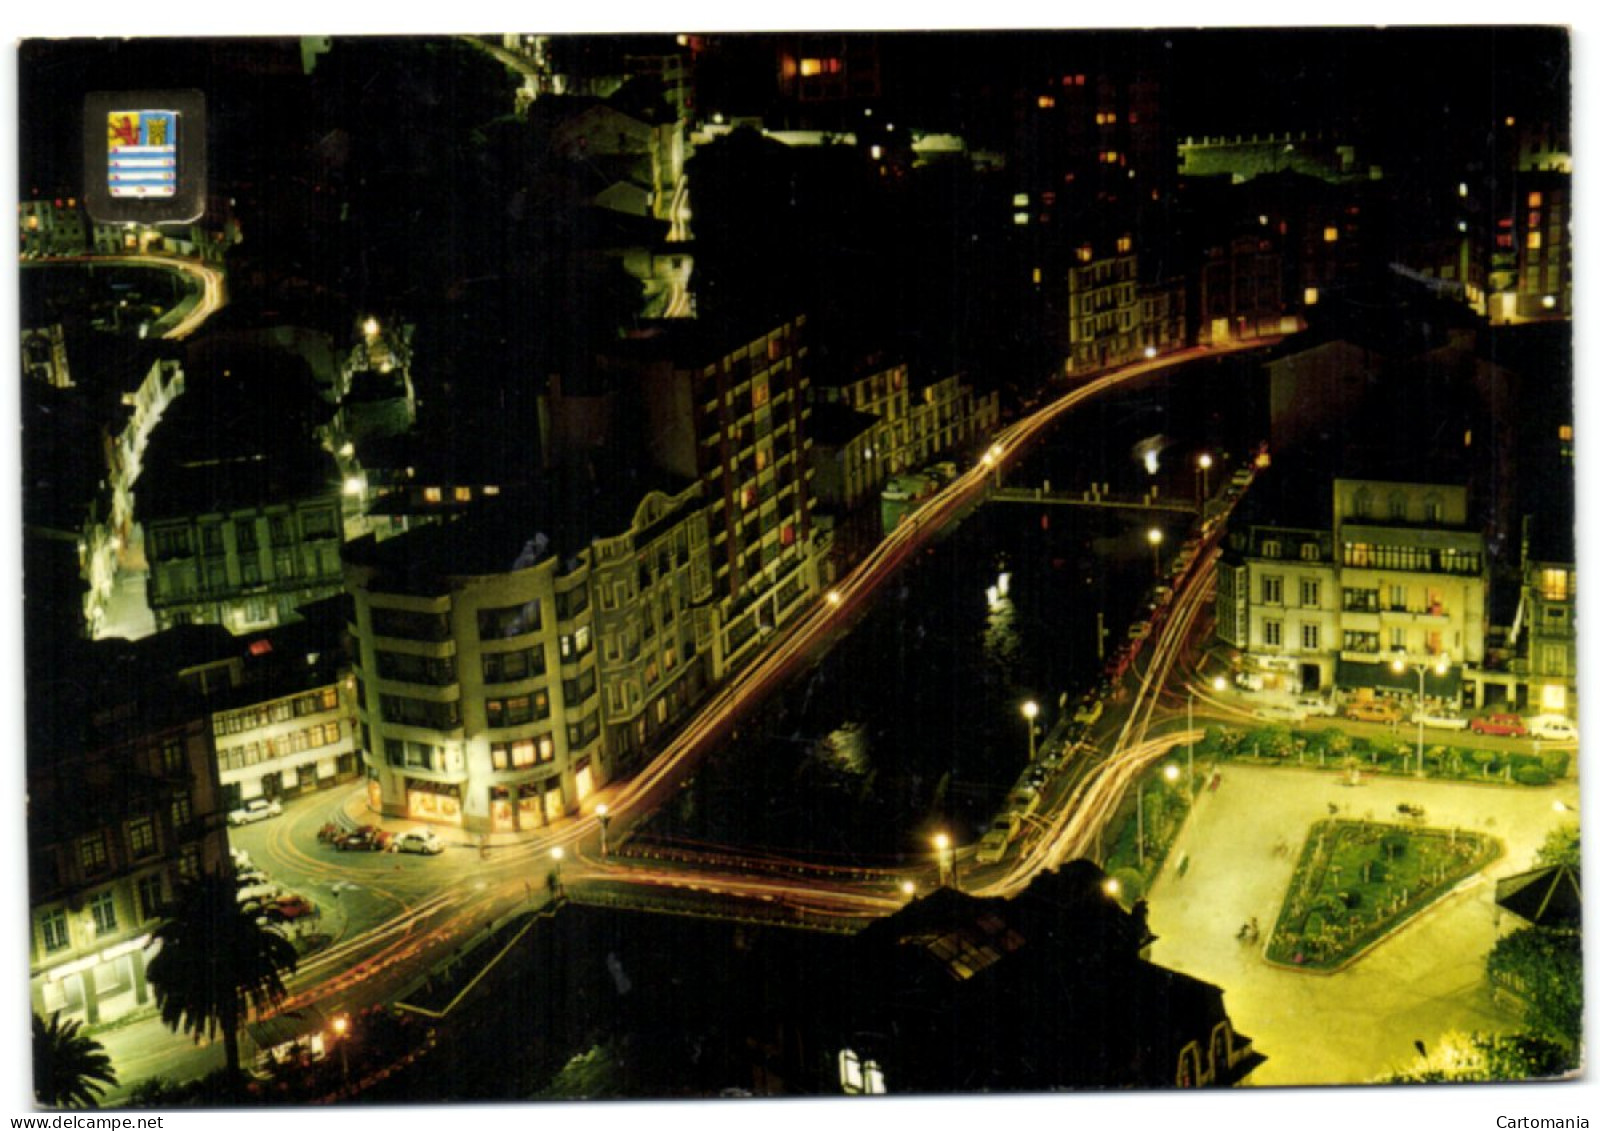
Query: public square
(1359, 1024)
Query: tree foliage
(1460, 1058)
(1561, 846)
(216, 964)
(70, 1069)
(1545, 968)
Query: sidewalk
(1425, 980)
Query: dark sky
(1393, 82)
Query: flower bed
(1358, 880)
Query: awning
(1380, 676)
(1546, 897)
(282, 1028)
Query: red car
(367, 838)
(1498, 724)
(289, 908)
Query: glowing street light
(1204, 463)
(341, 1027)
(1154, 535)
(602, 812)
(558, 854)
(1440, 667)
(1030, 711)
(941, 844)
(908, 889)
(370, 327)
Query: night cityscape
(719, 565)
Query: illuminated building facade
(726, 405)
(499, 683)
(1400, 576)
(123, 803)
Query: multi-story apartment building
(1240, 290)
(276, 742)
(476, 675)
(726, 405)
(44, 355)
(240, 508)
(652, 608)
(1103, 312)
(1546, 628)
(110, 538)
(243, 565)
(1400, 576)
(499, 683)
(123, 802)
(52, 227)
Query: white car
(1555, 728)
(425, 841)
(1317, 705)
(1249, 681)
(1439, 720)
(252, 811)
(1281, 713)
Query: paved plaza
(1425, 980)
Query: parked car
(1556, 728)
(425, 841)
(1249, 681)
(1319, 706)
(1022, 800)
(367, 838)
(257, 810)
(1281, 713)
(992, 846)
(1439, 719)
(1089, 713)
(1372, 711)
(1508, 725)
(289, 908)
(258, 894)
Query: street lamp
(604, 814)
(1398, 666)
(908, 889)
(557, 854)
(941, 844)
(1170, 772)
(1154, 535)
(341, 1026)
(1030, 711)
(1205, 473)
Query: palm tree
(216, 964)
(70, 1069)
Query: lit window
(1038, 276)
(1536, 200)
(1019, 200)
(432, 494)
(1565, 432)
(810, 67)
(1046, 102)
(1019, 218)
(1330, 234)
(1085, 253)
(1311, 296)
(463, 494)
(1553, 584)
(1535, 241)
(1124, 243)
